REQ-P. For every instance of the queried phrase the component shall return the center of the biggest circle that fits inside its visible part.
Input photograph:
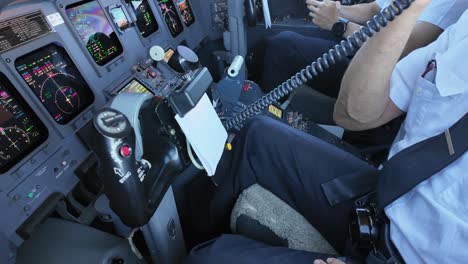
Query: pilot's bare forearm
(351, 28)
(422, 35)
(364, 96)
(359, 13)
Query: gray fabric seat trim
(263, 206)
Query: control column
(122, 175)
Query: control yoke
(135, 180)
(115, 148)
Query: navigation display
(186, 12)
(171, 18)
(95, 31)
(21, 131)
(134, 86)
(55, 80)
(146, 22)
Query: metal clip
(448, 138)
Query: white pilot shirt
(429, 224)
(441, 13)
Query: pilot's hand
(324, 13)
(329, 261)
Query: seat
(260, 215)
(313, 104)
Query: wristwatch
(339, 28)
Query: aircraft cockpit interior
(116, 116)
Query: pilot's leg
(288, 52)
(236, 249)
(292, 165)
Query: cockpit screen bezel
(41, 129)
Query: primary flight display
(95, 31)
(21, 131)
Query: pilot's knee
(255, 130)
(285, 36)
(279, 41)
(258, 125)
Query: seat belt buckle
(448, 138)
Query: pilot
(429, 224)
(288, 52)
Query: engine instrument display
(21, 131)
(171, 18)
(95, 31)
(55, 80)
(134, 86)
(186, 12)
(146, 22)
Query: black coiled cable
(345, 48)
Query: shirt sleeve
(406, 73)
(444, 13)
(404, 79)
(441, 13)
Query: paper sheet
(205, 133)
(266, 14)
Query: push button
(125, 151)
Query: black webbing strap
(404, 171)
(419, 162)
(350, 186)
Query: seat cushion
(261, 215)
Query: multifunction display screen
(171, 18)
(95, 31)
(134, 86)
(55, 80)
(21, 131)
(146, 22)
(186, 12)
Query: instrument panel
(171, 18)
(66, 60)
(146, 21)
(186, 12)
(21, 131)
(57, 83)
(95, 31)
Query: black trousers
(292, 165)
(287, 53)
